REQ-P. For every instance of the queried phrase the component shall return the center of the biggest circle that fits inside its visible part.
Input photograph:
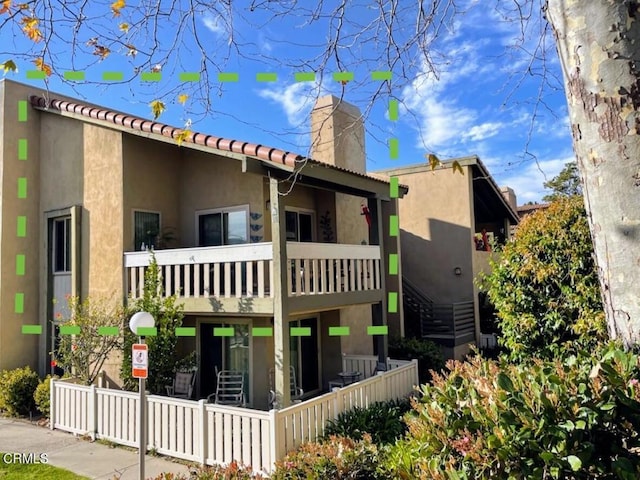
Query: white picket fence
(214, 434)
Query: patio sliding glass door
(304, 354)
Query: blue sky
(480, 103)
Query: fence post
(417, 371)
(203, 431)
(275, 438)
(91, 421)
(52, 403)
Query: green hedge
(17, 388)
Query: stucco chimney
(337, 134)
(510, 196)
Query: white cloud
(295, 99)
(484, 131)
(214, 24)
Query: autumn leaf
(6, 4)
(40, 65)
(9, 66)
(124, 27)
(133, 51)
(116, 7)
(456, 166)
(433, 161)
(182, 136)
(182, 98)
(157, 107)
(101, 52)
(30, 28)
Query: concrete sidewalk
(91, 459)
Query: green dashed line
(305, 76)
(147, 331)
(393, 264)
(394, 228)
(74, 76)
(262, 332)
(381, 75)
(228, 77)
(32, 329)
(185, 332)
(223, 332)
(18, 302)
(338, 331)
(109, 331)
(377, 330)
(21, 262)
(394, 187)
(22, 145)
(112, 76)
(300, 331)
(22, 187)
(393, 110)
(22, 226)
(393, 302)
(69, 330)
(393, 148)
(36, 75)
(22, 117)
(189, 77)
(343, 76)
(267, 77)
(151, 76)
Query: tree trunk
(598, 43)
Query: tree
(163, 358)
(544, 285)
(597, 43)
(566, 184)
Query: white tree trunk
(598, 43)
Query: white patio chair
(183, 384)
(296, 392)
(229, 389)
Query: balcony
(239, 278)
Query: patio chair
(296, 391)
(380, 368)
(183, 384)
(229, 389)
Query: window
(227, 226)
(304, 354)
(299, 225)
(146, 228)
(62, 245)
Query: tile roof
(225, 144)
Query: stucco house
(104, 186)
(447, 225)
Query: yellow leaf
(182, 136)
(9, 66)
(101, 52)
(157, 107)
(124, 27)
(433, 161)
(116, 7)
(182, 98)
(30, 28)
(6, 4)
(40, 65)
(456, 166)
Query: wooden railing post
(203, 431)
(52, 403)
(92, 423)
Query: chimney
(337, 134)
(510, 197)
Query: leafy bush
(544, 285)
(338, 458)
(427, 353)
(233, 471)
(16, 390)
(42, 396)
(381, 420)
(577, 418)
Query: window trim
(298, 211)
(236, 208)
(133, 224)
(68, 260)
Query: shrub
(16, 390)
(544, 285)
(577, 418)
(383, 421)
(42, 396)
(338, 458)
(427, 353)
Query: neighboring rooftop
(530, 208)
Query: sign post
(140, 370)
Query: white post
(52, 404)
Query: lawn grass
(17, 471)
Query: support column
(281, 297)
(379, 310)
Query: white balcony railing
(246, 271)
